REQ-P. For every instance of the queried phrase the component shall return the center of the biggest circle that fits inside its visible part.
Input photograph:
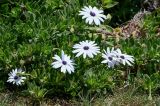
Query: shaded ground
(120, 98)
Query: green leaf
(109, 3)
(15, 12)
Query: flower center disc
(110, 58)
(16, 77)
(122, 57)
(85, 47)
(64, 62)
(92, 14)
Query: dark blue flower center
(16, 77)
(64, 62)
(110, 58)
(85, 47)
(122, 57)
(92, 14)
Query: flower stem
(150, 93)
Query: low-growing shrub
(31, 33)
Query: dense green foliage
(31, 32)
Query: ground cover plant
(77, 49)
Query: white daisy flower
(64, 62)
(15, 77)
(124, 58)
(86, 48)
(92, 15)
(110, 58)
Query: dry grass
(120, 98)
(124, 97)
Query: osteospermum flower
(92, 15)
(124, 58)
(110, 58)
(64, 62)
(15, 77)
(86, 48)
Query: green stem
(28, 75)
(150, 93)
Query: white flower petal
(16, 73)
(97, 15)
(64, 62)
(109, 58)
(63, 69)
(96, 20)
(78, 54)
(84, 55)
(57, 65)
(56, 57)
(86, 48)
